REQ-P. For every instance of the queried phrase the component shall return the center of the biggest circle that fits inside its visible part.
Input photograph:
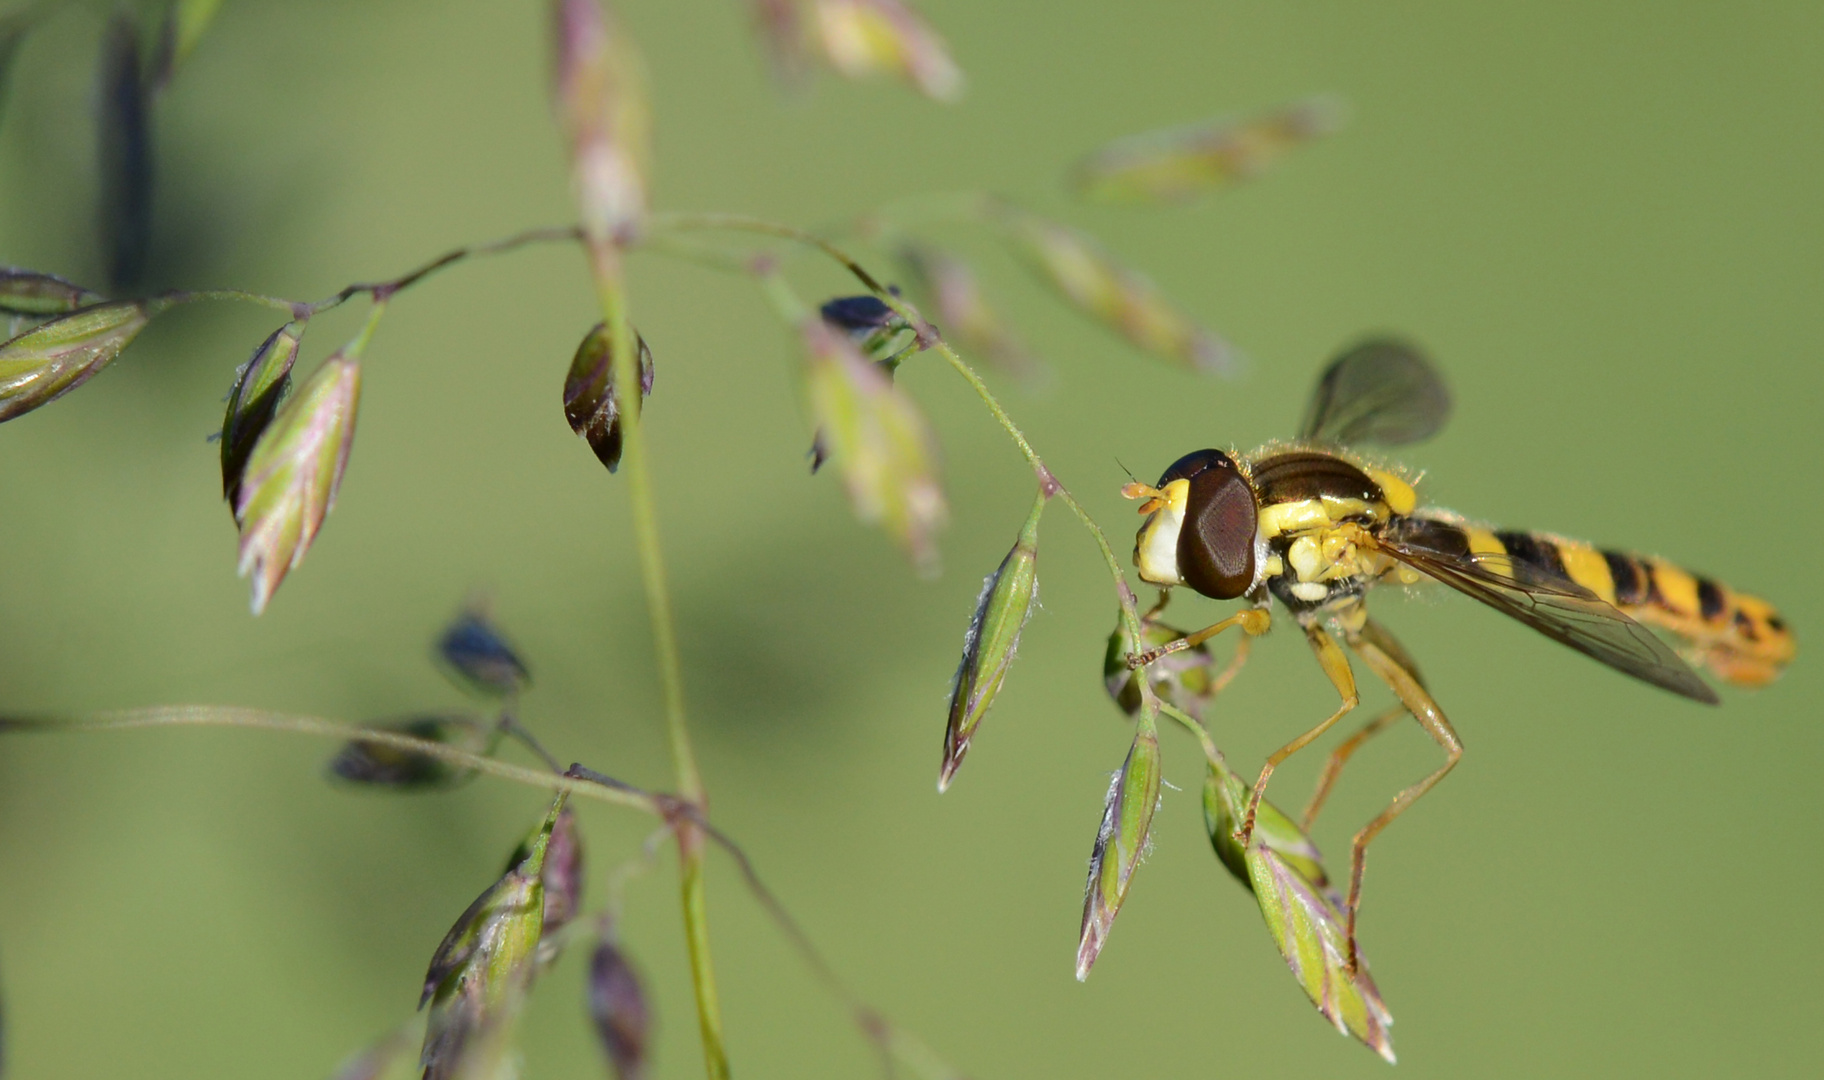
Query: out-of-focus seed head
(27, 292)
(949, 288)
(590, 404)
(866, 319)
(379, 765)
(782, 28)
(885, 37)
(480, 973)
(380, 1059)
(1184, 678)
(1181, 163)
(1093, 282)
(600, 92)
(476, 654)
(55, 357)
(1006, 601)
(563, 872)
(878, 438)
(1285, 871)
(1121, 841)
(125, 142)
(290, 482)
(259, 386)
(619, 1009)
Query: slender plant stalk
(605, 261)
(260, 719)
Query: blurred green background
(1602, 219)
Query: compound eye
(1216, 543)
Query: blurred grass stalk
(601, 101)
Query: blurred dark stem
(124, 146)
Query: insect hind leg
(1405, 685)
(1335, 663)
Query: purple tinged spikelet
(1119, 297)
(878, 438)
(480, 973)
(590, 403)
(366, 763)
(618, 1007)
(293, 475)
(860, 38)
(1186, 678)
(1121, 841)
(1178, 164)
(259, 386)
(53, 358)
(949, 286)
(1006, 601)
(599, 89)
(1303, 911)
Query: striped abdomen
(1739, 637)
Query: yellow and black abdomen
(1739, 637)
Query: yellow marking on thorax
(1323, 512)
(1588, 568)
(1397, 493)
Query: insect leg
(1255, 621)
(1335, 663)
(1165, 597)
(1333, 768)
(1412, 693)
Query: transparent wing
(1555, 606)
(1380, 391)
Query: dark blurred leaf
(378, 765)
(259, 385)
(28, 292)
(618, 1006)
(184, 24)
(477, 654)
(14, 26)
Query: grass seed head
(27, 292)
(259, 386)
(1007, 599)
(860, 38)
(1179, 164)
(378, 765)
(53, 358)
(476, 654)
(590, 403)
(1184, 678)
(619, 1008)
(479, 975)
(1095, 283)
(600, 94)
(949, 288)
(879, 440)
(290, 482)
(1121, 841)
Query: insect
(1316, 525)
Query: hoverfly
(1316, 525)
